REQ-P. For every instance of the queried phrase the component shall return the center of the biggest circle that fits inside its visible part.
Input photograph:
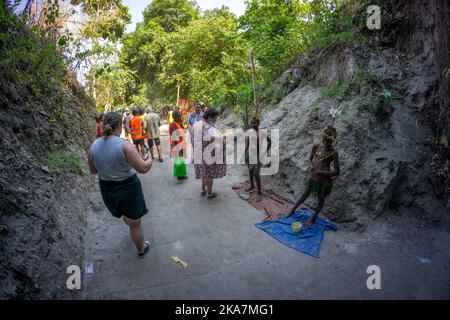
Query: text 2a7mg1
(244, 309)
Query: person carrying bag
(177, 147)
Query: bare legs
(159, 152)
(316, 214)
(207, 186)
(158, 148)
(136, 232)
(254, 177)
(302, 199)
(203, 187)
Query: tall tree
(172, 14)
(104, 24)
(104, 19)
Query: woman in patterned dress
(207, 165)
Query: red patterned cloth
(271, 204)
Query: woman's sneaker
(146, 249)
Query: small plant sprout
(335, 112)
(385, 96)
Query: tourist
(178, 146)
(137, 132)
(117, 163)
(152, 123)
(100, 125)
(205, 134)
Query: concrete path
(229, 258)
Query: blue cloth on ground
(308, 241)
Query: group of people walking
(117, 161)
(125, 149)
(142, 129)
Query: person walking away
(195, 116)
(144, 130)
(117, 162)
(100, 126)
(137, 132)
(254, 169)
(126, 123)
(152, 123)
(320, 178)
(178, 146)
(205, 134)
(170, 116)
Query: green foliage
(104, 23)
(35, 75)
(243, 104)
(206, 54)
(106, 19)
(339, 90)
(385, 96)
(443, 141)
(366, 105)
(365, 77)
(373, 99)
(272, 93)
(28, 58)
(63, 161)
(171, 15)
(280, 30)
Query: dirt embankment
(391, 99)
(42, 202)
(46, 124)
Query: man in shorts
(137, 132)
(152, 122)
(126, 124)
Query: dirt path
(229, 258)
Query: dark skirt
(321, 189)
(124, 198)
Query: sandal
(146, 249)
(258, 197)
(244, 196)
(212, 195)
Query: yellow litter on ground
(178, 260)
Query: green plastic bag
(179, 167)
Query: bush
(243, 104)
(366, 105)
(64, 161)
(273, 93)
(339, 90)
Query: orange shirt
(137, 132)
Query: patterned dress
(210, 171)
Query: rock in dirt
(45, 169)
(4, 230)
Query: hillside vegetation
(46, 124)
